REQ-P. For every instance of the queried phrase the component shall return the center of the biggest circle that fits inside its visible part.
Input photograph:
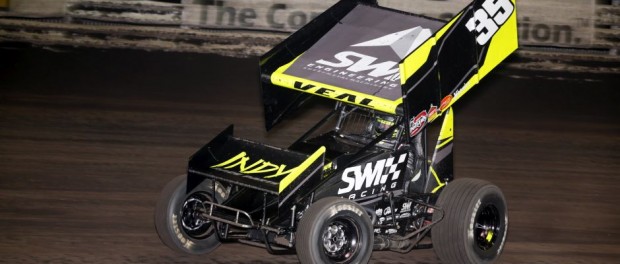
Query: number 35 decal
(487, 20)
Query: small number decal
(486, 21)
(504, 7)
(483, 24)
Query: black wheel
(334, 230)
(177, 218)
(474, 227)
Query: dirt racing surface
(88, 138)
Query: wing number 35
(487, 20)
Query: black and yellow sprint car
(362, 178)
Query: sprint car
(376, 173)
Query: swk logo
(487, 20)
(401, 42)
(372, 174)
(357, 62)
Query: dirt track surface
(88, 139)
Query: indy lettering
(240, 162)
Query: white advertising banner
(541, 22)
(276, 15)
(563, 23)
(568, 23)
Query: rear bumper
(234, 217)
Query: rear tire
(334, 230)
(475, 222)
(176, 219)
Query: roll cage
(349, 129)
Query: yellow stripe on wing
(301, 168)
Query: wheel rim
(340, 239)
(192, 222)
(487, 227)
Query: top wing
(387, 60)
(357, 61)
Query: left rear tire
(177, 217)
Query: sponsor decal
(417, 123)
(487, 20)
(372, 177)
(432, 113)
(445, 103)
(406, 207)
(180, 235)
(379, 212)
(241, 163)
(348, 207)
(357, 63)
(403, 215)
(332, 93)
(387, 211)
(358, 67)
(458, 91)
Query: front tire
(474, 225)
(176, 217)
(334, 230)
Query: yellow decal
(327, 166)
(439, 183)
(489, 236)
(240, 163)
(4, 4)
(446, 135)
(258, 167)
(301, 168)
